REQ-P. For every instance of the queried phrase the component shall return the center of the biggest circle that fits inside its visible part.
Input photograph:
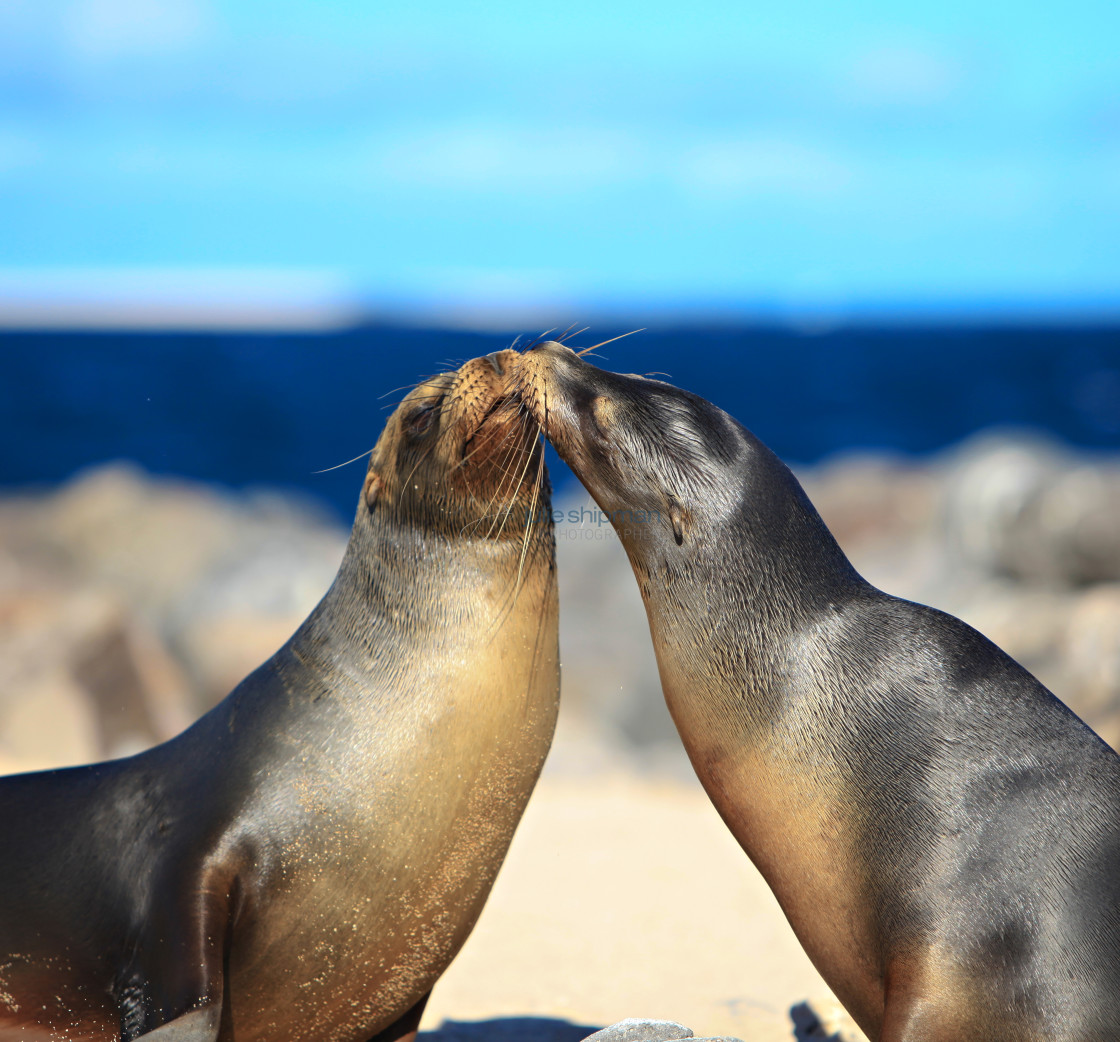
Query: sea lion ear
(603, 412)
(372, 490)
(676, 519)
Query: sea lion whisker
(415, 397)
(501, 515)
(415, 383)
(513, 494)
(510, 601)
(495, 407)
(506, 471)
(479, 448)
(568, 334)
(428, 450)
(505, 466)
(466, 456)
(588, 350)
(403, 387)
(338, 466)
(537, 485)
(537, 340)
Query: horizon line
(308, 300)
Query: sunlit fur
(305, 861)
(942, 832)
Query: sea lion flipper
(178, 988)
(405, 1029)
(199, 1025)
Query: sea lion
(942, 833)
(305, 860)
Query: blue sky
(778, 158)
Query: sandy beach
(626, 896)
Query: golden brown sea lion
(304, 862)
(941, 831)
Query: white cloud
(176, 298)
(764, 167)
(111, 28)
(522, 159)
(485, 298)
(903, 74)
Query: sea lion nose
(553, 346)
(495, 360)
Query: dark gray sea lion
(304, 862)
(942, 833)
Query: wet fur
(305, 861)
(941, 831)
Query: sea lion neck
(777, 536)
(743, 591)
(412, 587)
(768, 556)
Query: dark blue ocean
(275, 409)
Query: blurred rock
(219, 580)
(1024, 507)
(866, 497)
(610, 677)
(49, 722)
(637, 1030)
(148, 539)
(130, 604)
(80, 680)
(1026, 622)
(1090, 647)
(139, 601)
(884, 513)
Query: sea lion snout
(640, 446)
(459, 446)
(495, 364)
(551, 347)
(549, 358)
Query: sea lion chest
(379, 831)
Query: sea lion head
(656, 459)
(461, 456)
